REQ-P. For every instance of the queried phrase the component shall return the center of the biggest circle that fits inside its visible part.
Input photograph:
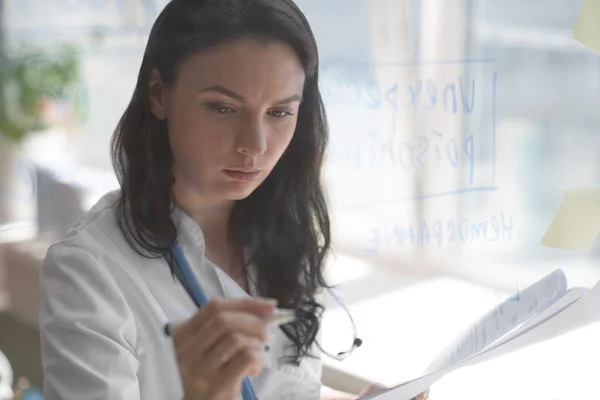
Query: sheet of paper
(560, 318)
(577, 308)
(587, 27)
(576, 225)
(408, 390)
(501, 320)
(553, 310)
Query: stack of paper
(542, 311)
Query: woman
(219, 154)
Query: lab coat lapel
(165, 288)
(170, 296)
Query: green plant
(29, 81)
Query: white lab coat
(103, 309)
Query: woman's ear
(157, 95)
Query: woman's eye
(280, 114)
(221, 108)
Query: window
(454, 126)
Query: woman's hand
(220, 345)
(376, 388)
(372, 389)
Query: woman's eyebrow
(290, 99)
(230, 93)
(223, 90)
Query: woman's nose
(252, 140)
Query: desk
(20, 342)
(12, 233)
(20, 263)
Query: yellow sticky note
(587, 27)
(576, 225)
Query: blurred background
(454, 127)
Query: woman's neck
(213, 220)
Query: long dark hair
(286, 218)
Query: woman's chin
(232, 191)
(240, 193)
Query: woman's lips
(242, 176)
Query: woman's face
(231, 113)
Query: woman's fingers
(221, 344)
(218, 327)
(248, 362)
(228, 379)
(213, 321)
(225, 350)
(261, 308)
(372, 389)
(422, 396)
